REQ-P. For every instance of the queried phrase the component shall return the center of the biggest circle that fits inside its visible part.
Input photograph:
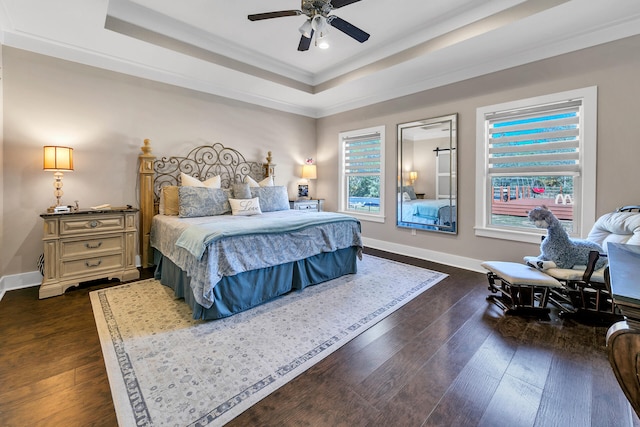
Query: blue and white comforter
(213, 247)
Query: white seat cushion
(575, 274)
(520, 274)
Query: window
(532, 152)
(362, 173)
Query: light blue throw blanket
(196, 238)
(429, 208)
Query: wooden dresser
(88, 245)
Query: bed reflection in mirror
(427, 184)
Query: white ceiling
(211, 46)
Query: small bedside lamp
(58, 160)
(413, 175)
(309, 171)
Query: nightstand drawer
(312, 205)
(307, 206)
(77, 226)
(91, 247)
(91, 265)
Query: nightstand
(88, 245)
(310, 205)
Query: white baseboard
(426, 254)
(19, 281)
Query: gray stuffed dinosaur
(557, 247)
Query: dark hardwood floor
(447, 358)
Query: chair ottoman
(520, 289)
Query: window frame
(342, 176)
(585, 207)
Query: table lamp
(59, 160)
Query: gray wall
(613, 67)
(105, 117)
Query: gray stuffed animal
(557, 247)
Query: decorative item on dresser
(57, 160)
(88, 245)
(309, 172)
(309, 205)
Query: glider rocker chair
(587, 288)
(523, 289)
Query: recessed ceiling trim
(475, 29)
(128, 29)
(573, 25)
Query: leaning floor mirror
(427, 183)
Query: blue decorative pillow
(271, 198)
(203, 201)
(241, 191)
(410, 191)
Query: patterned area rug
(166, 369)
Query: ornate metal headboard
(202, 162)
(207, 161)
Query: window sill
(513, 235)
(365, 217)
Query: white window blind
(536, 148)
(361, 180)
(362, 155)
(541, 140)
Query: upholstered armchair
(588, 288)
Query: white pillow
(245, 206)
(267, 182)
(189, 181)
(406, 197)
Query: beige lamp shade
(58, 158)
(413, 175)
(309, 172)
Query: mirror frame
(448, 210)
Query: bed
(223, 263)
(430, 214)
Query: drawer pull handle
(90, 246)
(93, 265)
(93, 224)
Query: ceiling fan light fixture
(321, 28)
(319, 23)
(306, 28)
(322, 40)
(319, 18)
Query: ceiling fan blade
(269, 15)
(305, 42)
(337, 4)
(349, 29)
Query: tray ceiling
(211, 46)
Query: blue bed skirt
(243, 291)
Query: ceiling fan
(317, 12)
